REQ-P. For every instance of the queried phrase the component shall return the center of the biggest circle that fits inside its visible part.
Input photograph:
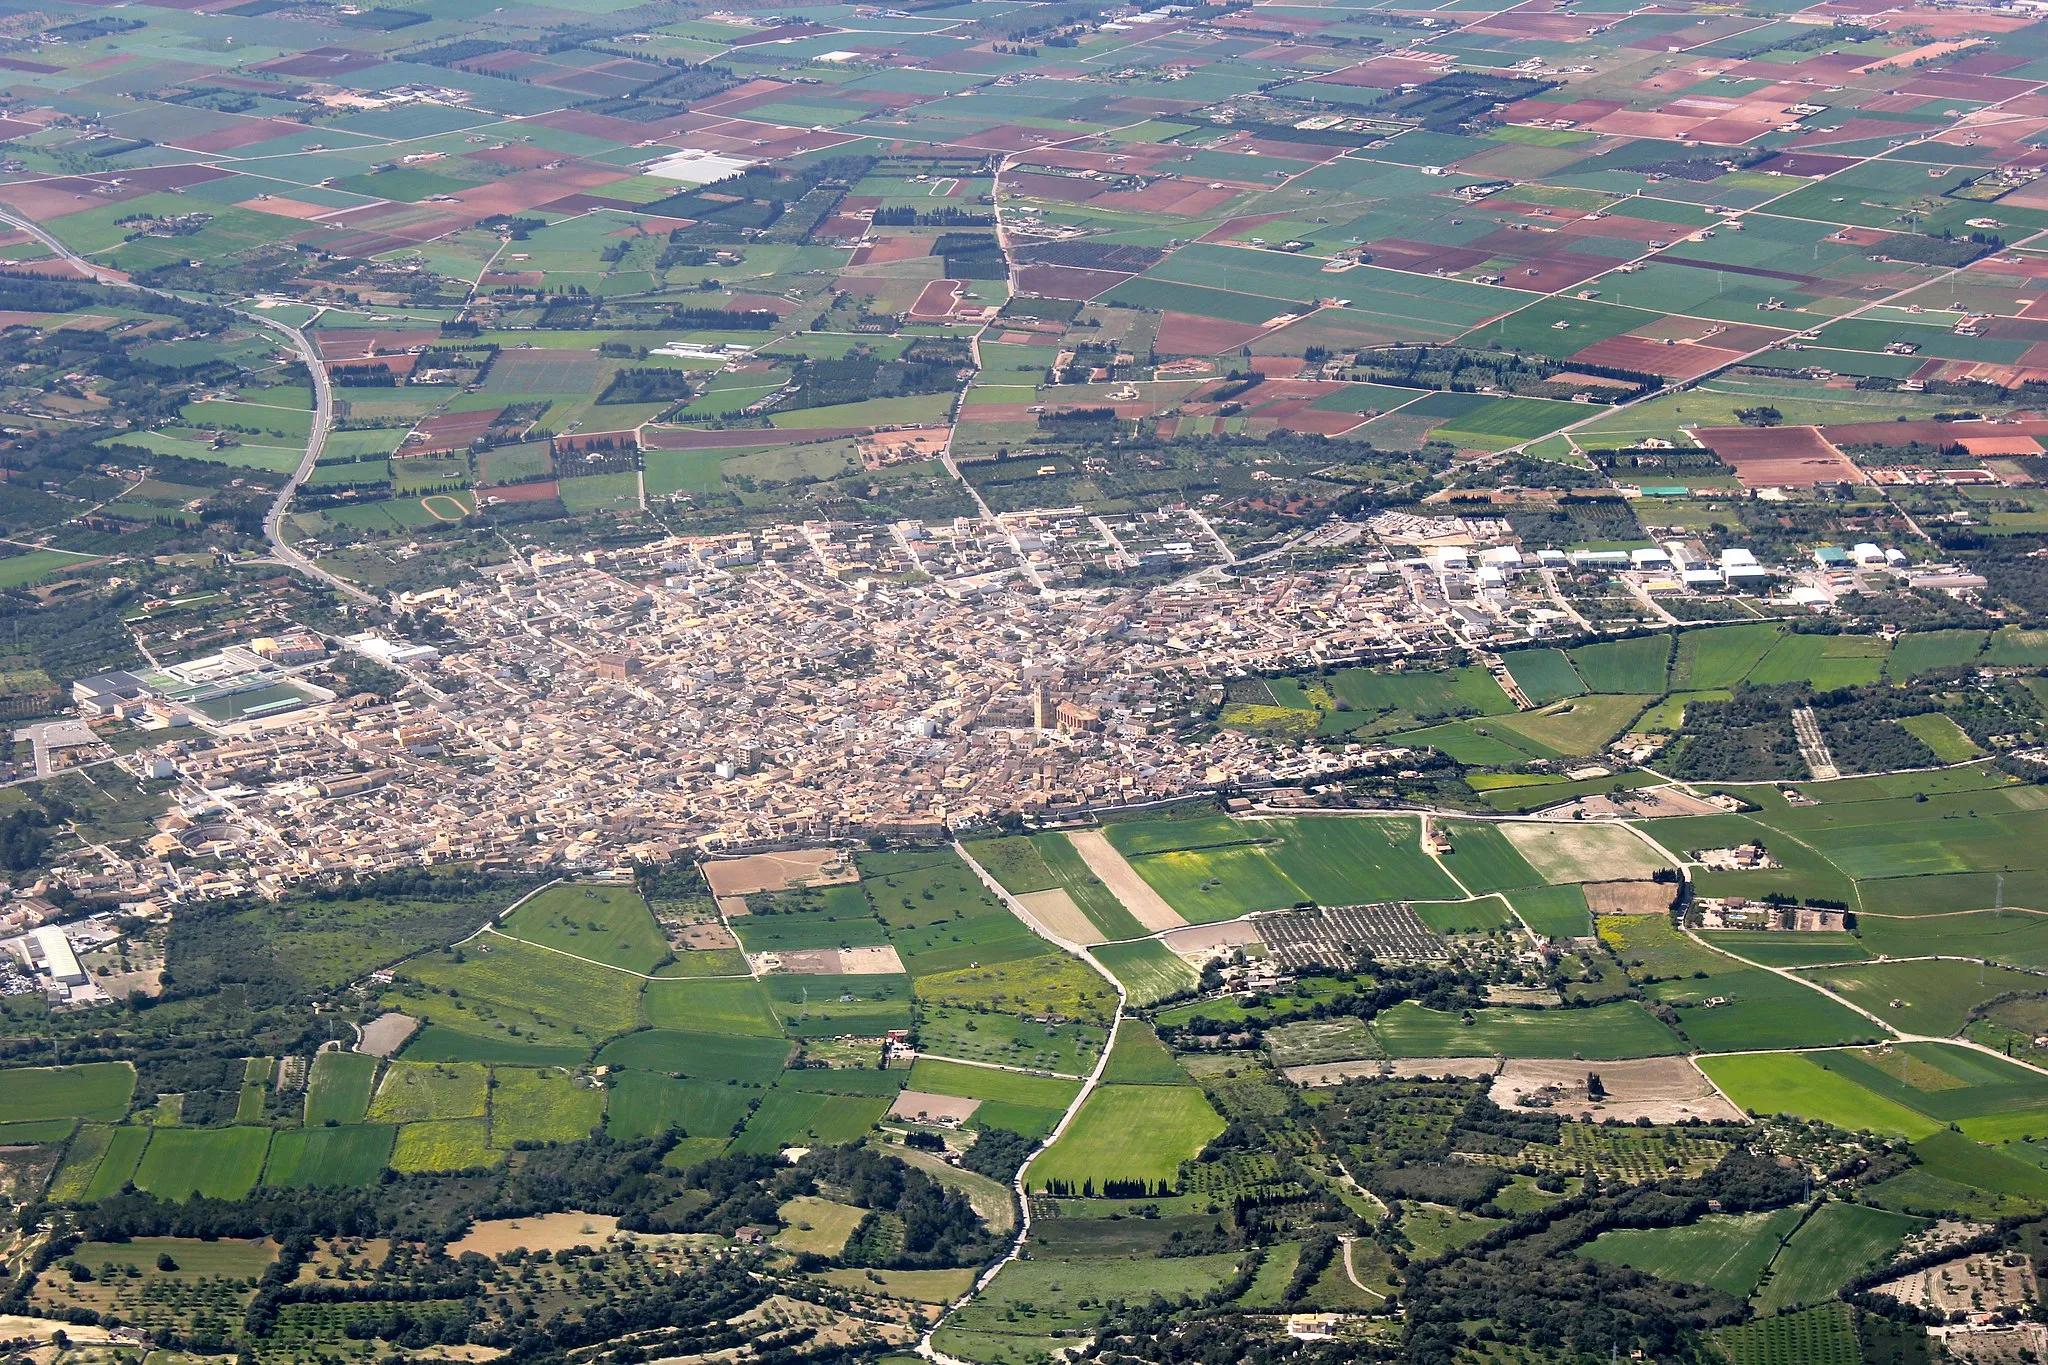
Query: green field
(1635, 667)
(542, 1106)
(700, 1056)
(1720, 657)
(98, 1091)
(1130, 1132)
(1139, 1058)
(1924, 997)
(711, 1006)
(644, 1104)
(1785, 1083)
(494, 985)
(117, 1168)
(221, 1163)
(1546, 675)
(607, 924)
(1483, 860)
(1727, 1251)
(794, 1118)
(344, 1156)
(444, 1145)
(412, 1091)
(339, 1088)
(1149, 970)
(1836, 1243)
(1612, 1031)
(1226, 868)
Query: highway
(316, 440)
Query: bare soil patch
(779, 871)
(829, 961)
(1123, 881)
(543, 1232)
(1661, 1089)
(1975, 1284)
(1629, 898)
(918, 1106)
(1059, 917)
(386, 1034)
(1779, 456)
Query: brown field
(1186, 334)
(919, 1107)
(1146, 905)
(1056, 913)
(1661, 1089)
(778, 871)
(1774, 456)
(1641, 353)
(1067, 282)
(1629, 898)
(830, 961)
(541, 1232)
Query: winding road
(323, 405)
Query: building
(49, 944)
(104, 694)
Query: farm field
(1617, 1030)
(1730, 1252)
(645, 645)
(1129, 1132)
(1836, 1243)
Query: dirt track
(1123, 881)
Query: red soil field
(321, 61)
(1640, 353)
(1766, 457)
(1168, 196)
(883, 250)
(526, 492)
(1067, 282)
(1186, 334)
(936, 302)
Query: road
(323, 406)
(1016, 1249)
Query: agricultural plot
(494, 985)
(1129, 1132)
(1838, 1242)
(1149, 971)
(1617, 1030)
(1924, 997)
(339, 1088)
(1729, 1252)
(345, 1156)
(220, 1163)
(607, 924)
(791, 1118)
(97, 1091)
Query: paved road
(323, 406)
(1016, 1250)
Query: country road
(323, 406)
